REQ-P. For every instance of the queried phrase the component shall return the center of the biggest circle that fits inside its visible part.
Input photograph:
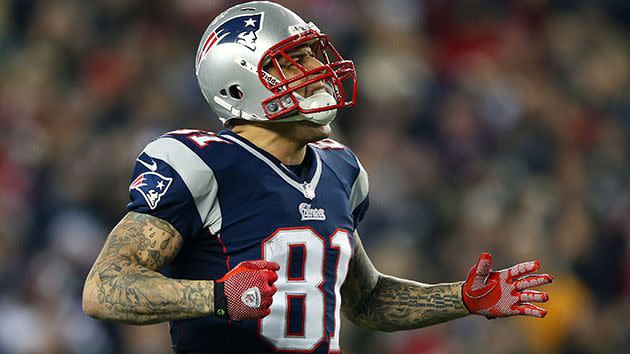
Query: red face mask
(333, 72)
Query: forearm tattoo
(124, 281)
(397, 304)
(385, 303)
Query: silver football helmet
(244, 40)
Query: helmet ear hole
(223, 93)
(235, 92)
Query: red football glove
(245, 292)
(502, 293)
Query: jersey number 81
(307, 288)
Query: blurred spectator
(481, 124)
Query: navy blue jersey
(232, 202)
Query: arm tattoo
(381, 302)
(124, 284)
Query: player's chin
(319, 131)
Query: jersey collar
(306, 186)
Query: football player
(258, 223)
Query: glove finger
(272, 266)
(260, 264)
(532, 281)
(484, 265)
(523, 268)
(480, 271)
(530, 310)
(533, 296)
(266, 295)
(271, 276)
(266, 302)
(268, 291)
(265, 312)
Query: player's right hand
(245, 292)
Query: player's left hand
(504, 293)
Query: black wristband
(220, 301)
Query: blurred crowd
(497, 126)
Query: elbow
(90, 304)
(91, 309)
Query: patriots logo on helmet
(241, 29)
(152, 186)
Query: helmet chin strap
(316, 100)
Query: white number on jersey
(200, 137)
(277, 248)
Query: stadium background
(484, 125)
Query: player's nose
(311, 64)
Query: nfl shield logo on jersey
(152, 186)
